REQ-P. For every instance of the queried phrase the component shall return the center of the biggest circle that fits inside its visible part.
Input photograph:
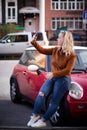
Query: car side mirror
(33, 67)
(8, 40)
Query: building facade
(45, 15)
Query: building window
(71, 23)
(0, 12)
(67, 4)
(11, 11)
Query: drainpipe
(42, 15)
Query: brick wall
(50, 13)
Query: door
(30, 25)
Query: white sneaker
(39, 123)
(33, 120)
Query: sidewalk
(6, 68)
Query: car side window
(38, 59)
(25, 38)
(21, 38)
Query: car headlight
(75, 90)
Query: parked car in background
(30, 73)
(76, 37)
(16, 43)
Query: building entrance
(30, 24)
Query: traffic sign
(85, 15)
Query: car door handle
(24, 72)
(12, 44)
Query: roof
(29, 10)
(75, 47)
(80, 47)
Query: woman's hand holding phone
(34, 37)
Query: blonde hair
(68, 42)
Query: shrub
(7, 28)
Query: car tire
(14, 91)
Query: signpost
(84, 15)
(84, 19)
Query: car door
(24, 81)
(35, 82)
(29, 82)
(20, 43)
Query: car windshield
(81, 61)
(5, 37)
(83, 55)
(33, 57)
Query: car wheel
(14, 91)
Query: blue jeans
(58, 86)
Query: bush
(7, 28)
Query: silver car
(16, 43)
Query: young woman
(63, 60)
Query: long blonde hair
(68, 42)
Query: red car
(30, 73)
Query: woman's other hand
(49, 75)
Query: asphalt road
(15, 117)
(14, 114)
